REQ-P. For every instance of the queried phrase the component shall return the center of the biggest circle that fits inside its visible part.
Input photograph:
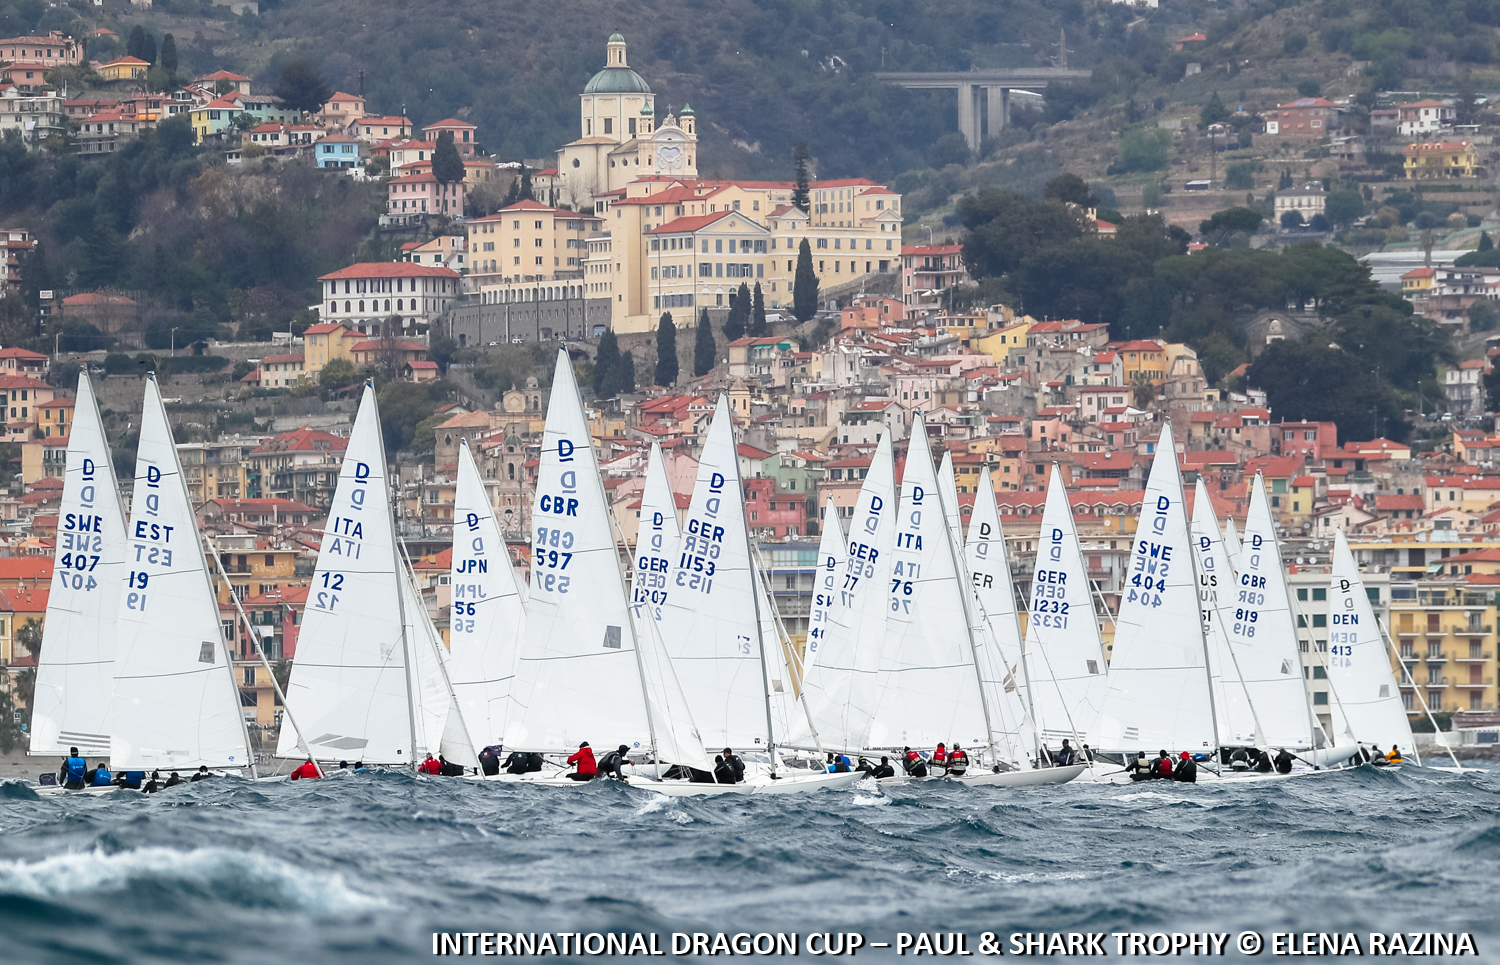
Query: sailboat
(368, 682)
(1368, 706)
(1158, 694)
(928, 685)
(1231, 543)
(838, 687)
(488, 616)
(1233, 712)
(1264, 638)
(1064, 654)
(175, 703)
(75, 668)
(720, 633)
(585, 670)
(1002, 673)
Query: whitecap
(867, 801)
(95, 871)
(1143, 796)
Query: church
(620, 138)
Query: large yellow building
(528, 242)
(1441, 159)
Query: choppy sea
(364, 868)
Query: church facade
(620, 138)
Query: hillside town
(619, 232)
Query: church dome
(617, 80)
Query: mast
(760, 636)
(1208, 671)
(396, 567)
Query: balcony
(1473, 658)
(1436, 658)
(1471, 631)
(1437, 684)
(1410, 658)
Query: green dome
(687, 110)
(617, 80)
(617, 38)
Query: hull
(1026, 778)
(786, 785)
(57, 790)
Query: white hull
(57, 790)
(756, 785)
(1030, 777)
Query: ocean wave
(251, 879)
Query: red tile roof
(390, 269)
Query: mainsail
(711, 620)
(352, 685)
(1359, 665)
(839, 687)
(1158, 694)
(1231, 542)
(927, 685)
(583, 672)
(176, 704)
(825, 586)
(75, 669)
(656, 540)
(488, 616)
(1064, 654)
(1263, 636)
(1216, 593)
(948, 485)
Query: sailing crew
(913, 762)
(1283, 762)
(1239, 760)
(1065, 756)
(958, 762)
(1186, 769)
(1163, 765)
(153, 785)
(430, 766)
(838, 764)
(939, 758)
(519, 763)
(1263, 763)
(1394, 757)
(489, 760)
(99, 777)
(730, 769)
(131, 780)
(306, 770)
(583, 759)
(72, 773)
(174, 780)
(884, 769)
(1140, 768)
(613, 763)
(202, 774)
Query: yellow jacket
(1394, 757)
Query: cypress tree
(447, 166)
(805, 285)
(734, 325)
(625, 374)
(800, 193)
(169, 55)
(135, 44)
(705, 350)
(526, 184)
(148, 48)
(1485, 241)
(758, 313)
(666, 350)
(606, 365)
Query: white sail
(349, 686)
(1064, 654)
(656, 540)
(76, 667)
(1158, 694)
(578, 674)
(1001, 673)
(488, 616)
(1231, 542)
(1263, 636)
(1216, 594)
(839, 683)
(927, 686)
(440, 726)
(830, 575)
(176, 704)
(711, 617)
(1359, 665)
(948, 484)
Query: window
(609, 125)
(270, 560)
(1320, 593)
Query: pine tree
(1485, 241)
(705, 350)
(799, 194)
(169, 55)
(606, 364)
(666, 350)
(804, 285)
(625, 374)
(526, 184)
(758, 313)
(1214, 112)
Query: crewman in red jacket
(431, 766)
(308, 770)
(584, 759)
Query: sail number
(1149, 570)
(551, 550)
(1048, 599)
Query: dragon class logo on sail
(1152, 560)
(702, 542)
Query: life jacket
(1141, 765)
(101, 777)
(76, 767)
(939, 755)
(1163, 766)
(306, 770)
